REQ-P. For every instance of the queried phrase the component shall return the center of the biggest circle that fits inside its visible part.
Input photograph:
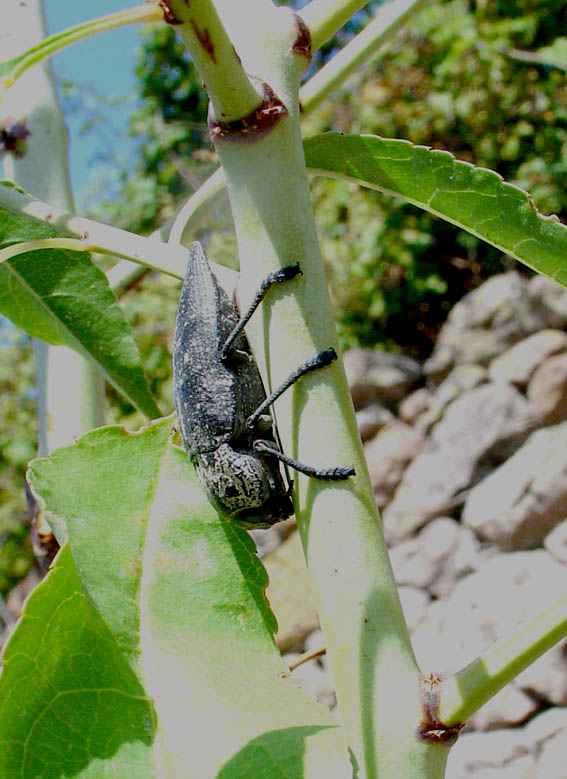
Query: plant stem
(43, 169)
(325, 17)
(99, 237)
(375, 673)
(197, 204)
(388, 19)
(229, 88)
(469, 689)
(54, 43)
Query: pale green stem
(375, 673)
(535, 58)
(229, 88)
(325, 17)
(124, 275)
(99, 237)
(196, 205)
(469, 689)
(71, 244)
(69, 389)
(389, 18)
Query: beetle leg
(321, 360)
(283, 274)
(339, 473)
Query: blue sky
(105, 64)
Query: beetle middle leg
(337, 473)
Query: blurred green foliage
(17, 436)
(150, 310)
(457, 78)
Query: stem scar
(13, 135)
(168, 15)
(302, 43)
(204, 38)
(257, 124)
(431, 730)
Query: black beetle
(221, 405)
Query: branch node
(168, 15)
(431, 730)
(302, 43)
(13, 136)
(257, 124)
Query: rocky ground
(468, 459)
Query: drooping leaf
(473, 198)
(64, 680)
(181, 593)
(62, 297)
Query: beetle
(222, 409)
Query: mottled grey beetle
(221, 405)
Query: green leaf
(181, 593)
(8, 66)
(64, 680)
(476, 199)
(62, 297)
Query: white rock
(387, 455)
(550, 299)
(487, 605)
(479, 754)
(414, 405)
(375, 375)
(552, 760)
(546, 679)
(517, 365)
(556, 542)
(484, 323)
(439, 555)
(509, 707)
(481, 423)
(372, 419)
(547, 390)
(522, 500)
(414, 604)
(461, 379)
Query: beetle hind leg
(339, 473)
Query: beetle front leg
(283, 274)
(337, 473)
